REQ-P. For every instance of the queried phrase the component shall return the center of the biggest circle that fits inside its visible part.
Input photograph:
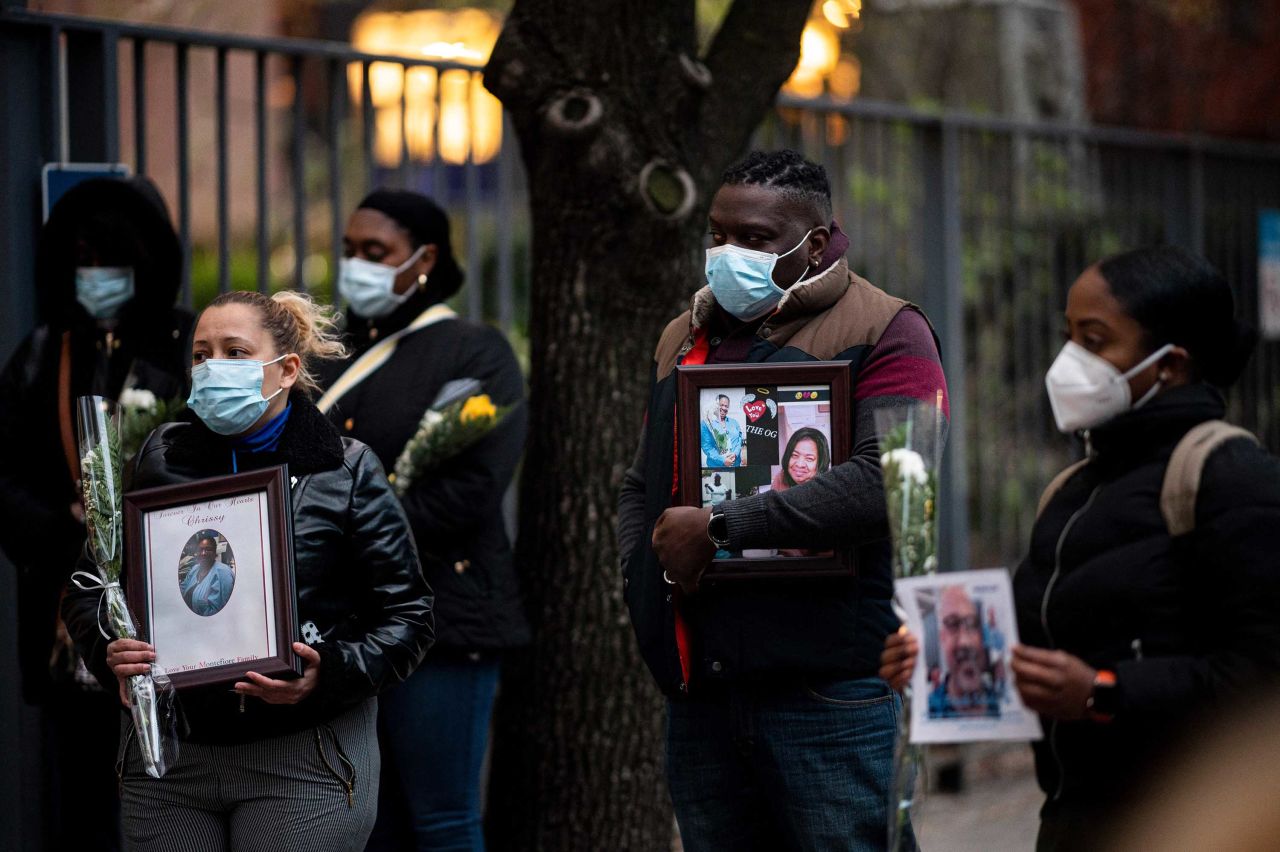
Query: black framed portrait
(210, 576)
(746, 429)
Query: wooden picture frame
(767, 405)
(212, 620)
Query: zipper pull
(1136, 645)
(242, 702)
(350, 791)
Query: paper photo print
(206, 572)
(963, 685)
(763, 438)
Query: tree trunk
(624, 133)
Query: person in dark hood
(108, 269)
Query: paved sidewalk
(996, 811)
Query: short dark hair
(787, 172)
(1179, 297)
(723, 396)
(203, 537)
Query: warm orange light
(819, 55)
(841, 13)
(469, 118)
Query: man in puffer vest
(779, 735)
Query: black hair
(427, 224)
(1179, 297)
(787, 172)
(207, 535)
(723, 396)
(819, 440)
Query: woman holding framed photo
(1149, 602)
(275, 763)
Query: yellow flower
(476, 408)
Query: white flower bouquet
(152, 699)
(141, 411)
(911, 438)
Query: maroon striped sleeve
(904, 363)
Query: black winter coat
(148, 349)
(356, 571)
(456, 512)
(1188, 624)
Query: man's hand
(1052, 683)
(285, 691)
(730, 459)
(681, 543)
(898, 659)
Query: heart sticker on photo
(754, 410)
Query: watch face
(718, 529)
(1105, 698)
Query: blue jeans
(798, 767)
(433, 729)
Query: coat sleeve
(631, 505)
(32, 532)
(395, 624)
(1233, 590)
(455, 499)
(845, 506)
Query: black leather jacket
(356, 566)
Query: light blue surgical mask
(226, 393)
(369, 288)
(103, 290)
(741, 279)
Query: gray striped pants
(313, 791)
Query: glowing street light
(449, 114)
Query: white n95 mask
(1086, 390)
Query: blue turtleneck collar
(264, 440)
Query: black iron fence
(265, 144)
(986, 222)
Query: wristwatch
(718, 530)
(1103, 701)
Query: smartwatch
(718, 530)
(1103, 701)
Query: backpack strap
(1056, 484)
(1186, 465)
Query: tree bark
(624, 132)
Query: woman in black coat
(277, 764)
(1132, 637)
(108, 268)
(407, 345)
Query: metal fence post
(28, 103)
(93, 96)
(944, 302)
(1184, 222)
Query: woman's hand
(1052, 683)
(898, 659)
(129, 657)
(285, 691)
